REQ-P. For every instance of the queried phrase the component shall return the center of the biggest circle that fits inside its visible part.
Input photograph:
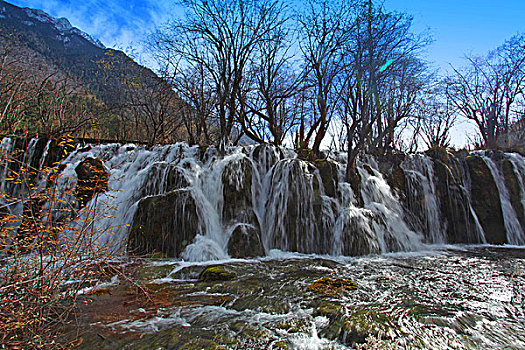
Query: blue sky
(458, 27)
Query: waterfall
(513, 228)
(421, 193)
(265, 194)
(392, 232)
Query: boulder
(266, 155)
(237, 192)
(163, 178)
(216, 273)
(358, 236)
(454, 202)
(485, 200)
(92, 179)
(164, 224)
(512, 183)
(245, 242)
(329, 174)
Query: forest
(339, 75)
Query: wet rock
(485, 200)
(296, 213)
(328, 172)
(165, 223)
(364, 323)
(266, 155)
(163, 178)
(237, 192)
(512, 183)
(92, 179)
(358, 236)
(397, 181)
(329, 287)
(454, 205)
(245, 242)
(216, 273)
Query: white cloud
(118, 24)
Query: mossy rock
(363, 323)
(397, 180)
(512, 183)
(237, 192)
(245, 242)
(330, 287)
(92, 179)
(166, 223)
(149, 272)
(328, 172)
(216, 273)
(173, 176)
(329, 309)
(486, 201)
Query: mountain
(50, 52)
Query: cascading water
(392, 232)
(267, 192)
(513, 228)
(421, 193)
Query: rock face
(297, 218)
(92, 179)
(358, 237)
(245, 242)
(266, 155)
(166, 223)
(513, 182)
(163, 178)
(329, 176)
(485, 200)
(237, 192)
(454, 204)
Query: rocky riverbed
(452, 297)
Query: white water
(421, 191)
(287, 197)
(512, 225)
(392, 232)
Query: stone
(245, 242)
(330, 287)
(329, 174)
(485, 200)
(92, 179)
(358, 236)
(237, 192)
(164, 224)
(216, 273)
(512, 183)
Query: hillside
(42, 55)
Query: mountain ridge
(39, 45)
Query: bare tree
(221, 36)
(381, 80)
(436, 115)
(489, 89)
(268, 107)
(325, 28)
